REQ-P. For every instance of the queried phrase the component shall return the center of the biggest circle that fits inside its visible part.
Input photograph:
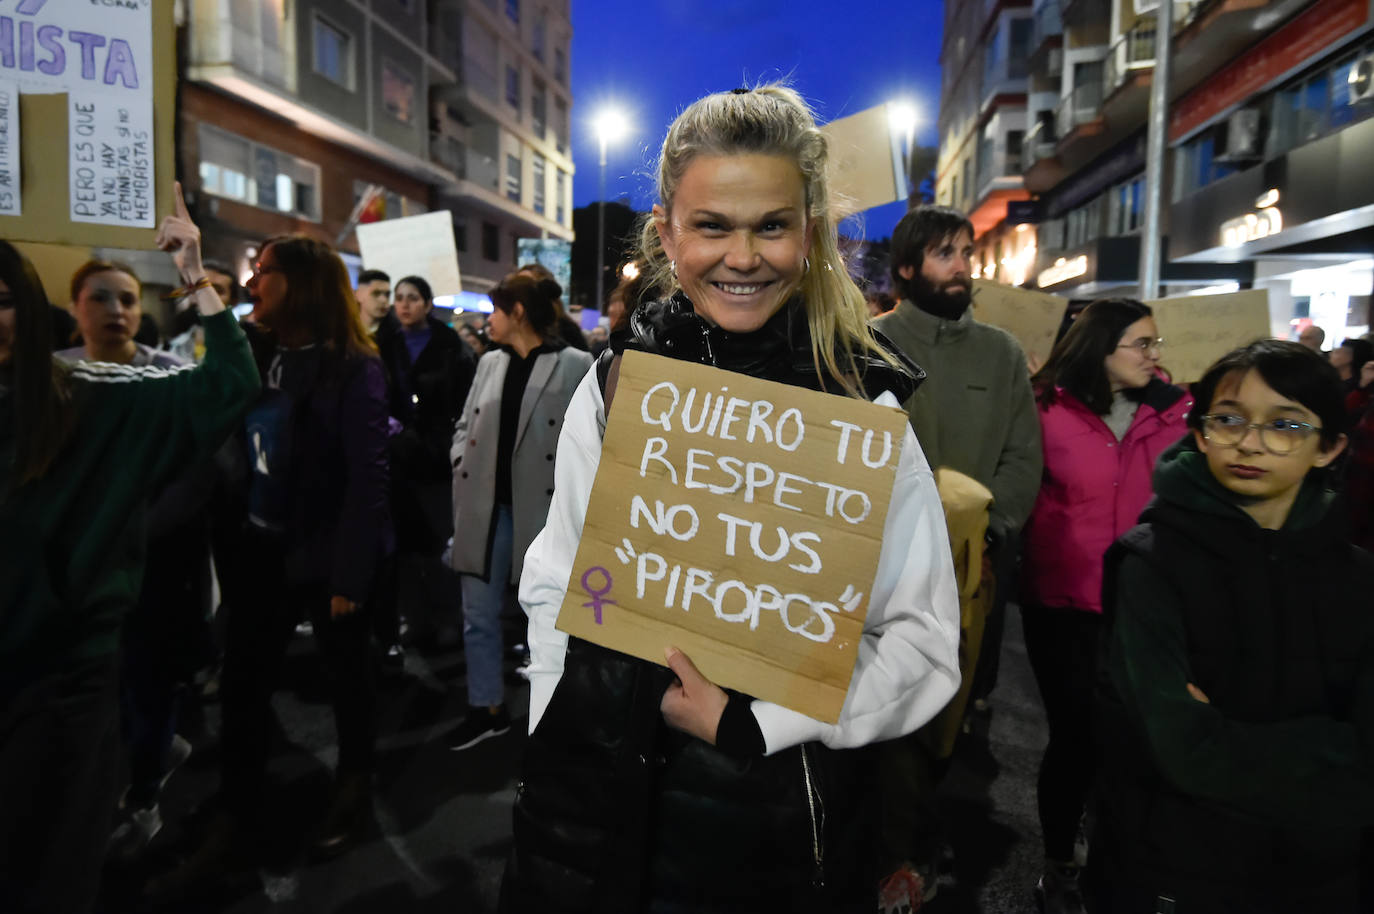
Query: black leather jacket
(615, 809)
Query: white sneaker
(133, 835)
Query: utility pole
(1156, 145)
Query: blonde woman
(650, 789)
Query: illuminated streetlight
(610, 125)
(901, 123)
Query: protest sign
(1032, 317)
(414, 246)
(91, 76)
(860, 171)
(11, 199)
(1199, 329)
(740, 521)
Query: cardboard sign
(860, 170)
(740, 521)
(96, 162)
(11, 199)
(1032, 317)
(414, 246)
(1199, 329)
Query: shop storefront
(1111, 266)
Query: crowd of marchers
(1188, 563)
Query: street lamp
(610, 126)
(901, 122)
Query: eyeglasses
(261, 269)
(1279, 437)
(1144, 344)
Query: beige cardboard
(827, 571)
(1199, 329)
(860, 166)
(1032, 317)
(43, 158)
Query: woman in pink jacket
(1105, 415)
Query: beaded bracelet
(202, 283)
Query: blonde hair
(775, 120)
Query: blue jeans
(482, 604)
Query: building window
(491, 242)
(513, 86)
(513, 178)
(537, 176)
(560, 192)
(1018, 53)
(560, 125)
(460, 234)
(333, 53)
(1126, 207)
(537, 38)
(538, 109)
(513, 11)
(239, 169)
(398, 92)
(1012, 166)
(560, 65)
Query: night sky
(653, 57)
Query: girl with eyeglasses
(1105, 415)
(1238, 695)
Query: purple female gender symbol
(596, 595)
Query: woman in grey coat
(503, 455)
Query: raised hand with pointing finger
(180, 237)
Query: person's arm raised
(180, 237)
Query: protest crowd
(1187, 561)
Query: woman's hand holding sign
(693, 704)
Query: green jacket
(975, 412)
(73, 542)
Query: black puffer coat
(616, 812)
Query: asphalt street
(443, 820)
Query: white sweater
(908, 663)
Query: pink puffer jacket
(1093, 489)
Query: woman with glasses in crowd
(1238, 695)
(1105, 416)
(652, 789)
(313, 528)
(81, 447)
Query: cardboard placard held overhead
(414, 246)
(740, 521)
(860, 171)
(95, 113)
(1032, 317)
(1199, 329)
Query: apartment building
(1264, 179)
(984, 57)
(291, 110)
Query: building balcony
(1081, 12)
(1131, 54)
(1079, 111)
(1047, 30)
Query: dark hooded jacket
(1254, 801)
(616, 809)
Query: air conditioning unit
(1361, 79)
(1242, 141)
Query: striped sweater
(71, 543)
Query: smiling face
(1128, 366)
(1269, 482)
(739, 236)
(411, 307)
(108, 311)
